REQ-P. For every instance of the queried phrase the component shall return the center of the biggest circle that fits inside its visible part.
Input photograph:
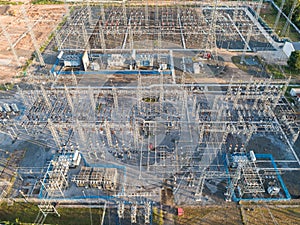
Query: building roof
(180, 211)
(296, 45)
(297, 90)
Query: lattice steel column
(233, 183)
(124, 12)
(81, 133)
(130, 37)
(102, 39)
(69, 99)
(246, 45)
(92, 99)
(281, 93)
(146, 13)
(139, 92)
(161, 92)
(156, 11)
(25, 100)
(159, 39)
(48, 103)
(136, 134)
(54, 133)
(102, 13)
(89, 12)
(183, 78)
(108, 133)
(200, 186)
(194, 105)
(58, 39)
(86, 43)
(115, 96)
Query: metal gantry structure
(156, 132)
(194, 26)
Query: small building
(71, 60)
(6, 107)
(116, 61)
(273, 190)
(290, 47)
(73, 158)
(15, 108)
(85, 60)
(180, 211)
(295, 92)
(196, 67)
(144, 61)
(163, 66)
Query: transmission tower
(278, 15)
(8, 38)
(32, 35)
(283, 32)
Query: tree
(294, 60)
(287, 8)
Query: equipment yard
(130, 112)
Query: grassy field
(227, 213)
(265, 215)
(21, 213)
(258, 69)
(281, 72)
(273, 213)
(6, 87)
(46, 2)
(245, 213)
(274, 70)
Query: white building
(295, 91)
(290, 47)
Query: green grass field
(227, 213)
(22, 213)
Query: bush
(294, 61)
